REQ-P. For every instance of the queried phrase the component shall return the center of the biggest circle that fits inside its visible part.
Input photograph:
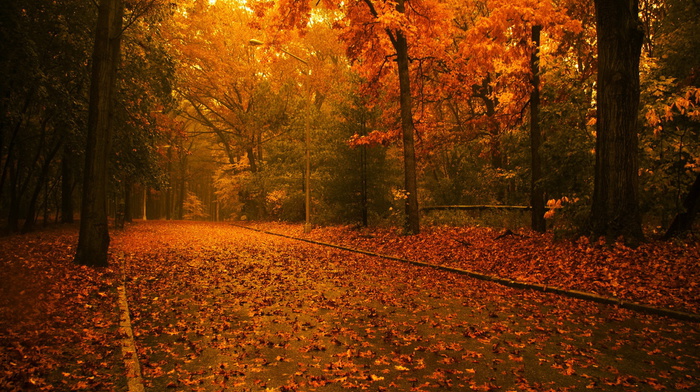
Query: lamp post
(307, 143)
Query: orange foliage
(241, 93)
(462, 54)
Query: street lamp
(307, 143)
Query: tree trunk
(363, 190)
(128, 201)
(615, 209)
(538, 222)
(47, 191)
(10, 149)
(493, 127)
(30, 220)
(182, 187)
(252, 160)
(145, 202)
(66, 187)
(93, 242)
(412, 224)
(13, 212)
(19, 186)
(683, 222)
(169, 187)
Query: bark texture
(66, 187)
(538, 222)
(93, 242)
(412, 224)
(615, 209)
(409, 152)
(400, 44)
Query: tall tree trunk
(538, 222)
(412, 224)
(169, 188)
(13, 212)
(128, 201)
(182, 189)
(400, 44)
(47, 191)
(145, 202)
(66, 187)
(93, 242)
(409, 154)
(252, 160)
(615, 209)
(363, 191)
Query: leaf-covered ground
(220, 308)
(58, 321)
(659, 273)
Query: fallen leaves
(659, 273)
(216, 307)
(58, 321)
(342, 320)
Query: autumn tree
(193, 208)
(377, 34)
(536, 191)
(475, 98)
(144, 97)
(399, 41)
(94, 233)
(412, 28)
(249, 101)
(615, 209)
(93, 242)
(670, 141)
(41, 105)
(223, 87)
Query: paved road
(216, 307)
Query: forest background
(215, 101)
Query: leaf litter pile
(220, 308)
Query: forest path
(215, 307)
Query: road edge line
(131, 361)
